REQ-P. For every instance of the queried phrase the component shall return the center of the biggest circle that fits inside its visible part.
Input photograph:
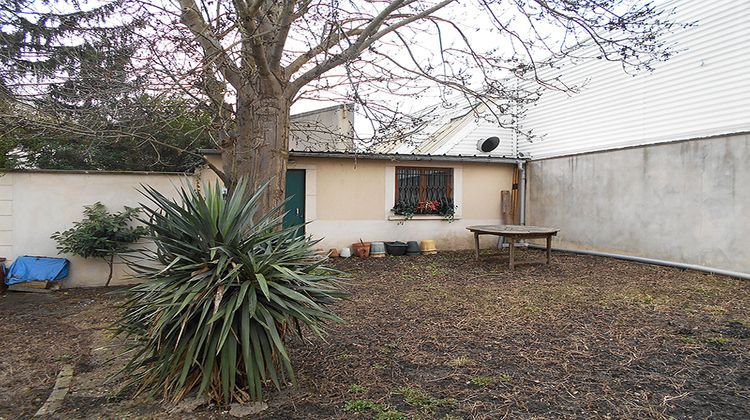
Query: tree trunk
(259, 150)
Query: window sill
(422, 217)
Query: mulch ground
(446, 337)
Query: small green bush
(100, 234)
(223, 289)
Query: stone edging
(62, 384)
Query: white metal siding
(466, 143)
(702, 91)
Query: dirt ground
(445, 337)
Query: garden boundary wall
(35, 204)
(686, 201)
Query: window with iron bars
(421, 190)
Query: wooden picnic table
(513, 233)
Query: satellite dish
(488, 144)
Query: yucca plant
(222, 289)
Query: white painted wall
(702, 91)
(35, 204)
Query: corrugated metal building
(702, 91)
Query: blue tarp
(29, 268)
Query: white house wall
(702, 91)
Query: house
(346, 195)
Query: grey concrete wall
(323, 130)
(685, 202)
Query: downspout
(502, 240)
(522, 193)
(684, 266)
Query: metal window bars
(416, 186)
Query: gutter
(391, 156)
(684, 266)
(405, 157)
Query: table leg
(512, 248)
(549, 249)
(476, 245)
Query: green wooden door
(295, 193)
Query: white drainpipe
(522, 193)
(501, 240)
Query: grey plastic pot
(412, 248)
(396, 249)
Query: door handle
(297, 209)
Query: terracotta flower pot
(361, 249)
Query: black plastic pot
(395, 248)
(412, 248)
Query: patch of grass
(378, 366)
(739, 322)
(687, 340)
(363, 405)
(718, 341)
(490, 380)
(356, 388)
(345, 356)
(408, 278)
(433, 270)
(418, 398)
(389, 347)
(461, 361)
(382, 411)
(714, 309)
(390, 414)
(531, 309)
(114, 398)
